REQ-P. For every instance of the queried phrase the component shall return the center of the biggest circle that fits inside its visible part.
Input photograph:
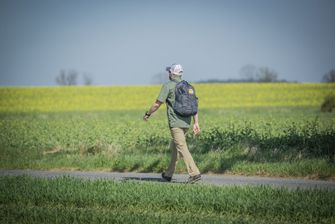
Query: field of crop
(250, 129)
(212, 96)
(69, 200)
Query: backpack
(186, 102)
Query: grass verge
(70, 200)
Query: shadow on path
(152, 179)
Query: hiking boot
(193, 179)
(166, 178)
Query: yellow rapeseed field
(104, 98)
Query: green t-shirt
(167, 95)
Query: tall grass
(122, 141)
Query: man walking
(178, 126)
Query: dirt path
(179, 178)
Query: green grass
(294, 142)
(70, 200)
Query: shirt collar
(176, 78)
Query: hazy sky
(128, 42)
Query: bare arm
(152, 109)
(196, 127)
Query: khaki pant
(178, 145)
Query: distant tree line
(70, 78)
(240, 81)
(160, 78)
(249, 73)
(329, 76)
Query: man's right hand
(146, 116)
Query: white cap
(175, 69)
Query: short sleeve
(163, 94)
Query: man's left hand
(196, 128)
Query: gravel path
(179, 178)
